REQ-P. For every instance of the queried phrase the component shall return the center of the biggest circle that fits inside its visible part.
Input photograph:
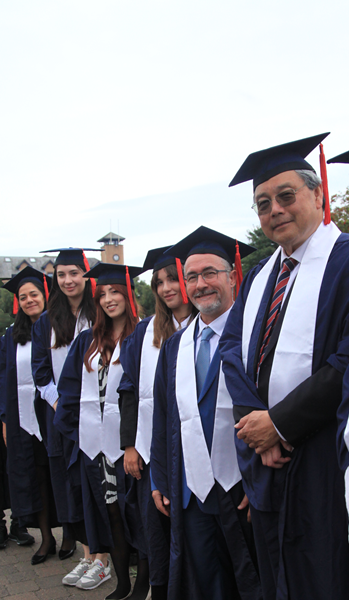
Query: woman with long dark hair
(138, 357)
(70, 310)
(88, 414)
(28, 470)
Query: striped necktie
(275, 306)
(203, 359)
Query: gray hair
(312, 181)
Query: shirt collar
(217, 325)
(182, 325)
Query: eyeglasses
(285, 198)
(209, 276)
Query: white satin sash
(149, 361)
(26, 390)
(58, 355)
(293, 356)
(201, 470)
(97, 434)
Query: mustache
(202, 294)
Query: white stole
(97, 434)
(58, 355)
(26, 390)
(201, 470)
(149, 361)
(293, 356)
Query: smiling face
(70, 280)
(31, 301)
(168, 289)
(292, 225)
(112, 302)
(214, 298)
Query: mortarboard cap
(159, 258)
(156, 259)
(208, 241)
(340, 158)
(71, 256)
(107, 274)
(261, 166)
(27, 275)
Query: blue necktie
(203, 359)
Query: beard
(207, 308)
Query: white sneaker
(96, 575)
(73, 577)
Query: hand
(244, 502)
(273, 457)
(133, 462)
(257, 430)
(54, 406)
(161, 502)
(4, 433)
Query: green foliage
(6, 303)
(264, 247)
(340, 213)
(145, 297)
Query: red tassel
(15, 305)
(87, 267)
(323, 172)
(129, 291)
(238, 267)
(181, 280)
(46, 288)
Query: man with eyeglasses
(193, 457)
(284, 350)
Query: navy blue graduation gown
(4, 491)
(68, 504)
(166, 466)
(307, 494)
(84, 472)
(23, 483)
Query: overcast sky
(134, 115)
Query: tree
(6, 304)
(145, 297)
(340, 213)
(264, 247)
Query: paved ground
(19, 580)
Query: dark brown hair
(163, 322)
(102, 330)
(60, 314)
(22, 328)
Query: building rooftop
(111, 238)
(11, 265)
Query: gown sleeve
(2, 380)
(41, 360)
(158, 453)
(69, 388)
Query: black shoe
(3, 536)
(40, 558)
(63, 554)
(20, 535)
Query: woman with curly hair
(88, 403)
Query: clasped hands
(258, 431)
